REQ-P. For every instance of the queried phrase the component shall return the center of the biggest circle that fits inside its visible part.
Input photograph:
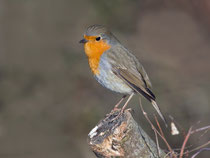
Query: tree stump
(120, 136)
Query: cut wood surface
(120, 136)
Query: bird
(115, 67)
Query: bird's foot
(116, 109)
(123, 110)
(120, 112)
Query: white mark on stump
(93, 132)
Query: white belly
(109, 80)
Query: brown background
(49, 101)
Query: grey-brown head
(99, 32)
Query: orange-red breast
(115, 67)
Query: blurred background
(49, 100)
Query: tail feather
(159, 112)
(151, 93)
(145, 91)
(151, 97)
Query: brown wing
(136, 83)
(143, 73)
(127, 67)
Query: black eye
(98, 38)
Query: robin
(115, 67)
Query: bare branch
(203, 149)
(154, 129)
(200, 129)
(185, 142)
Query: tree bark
(120, 136)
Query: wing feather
(134, 82)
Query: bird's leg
(116, 106)
(126, 103)
(124, 106)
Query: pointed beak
(83, 41)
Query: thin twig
(152, 126)
(157, 143)
(203, 133)
(206, 128)
(203, 149)
(197, 148)
(200, 129)
(185, 142)
(161, 131)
